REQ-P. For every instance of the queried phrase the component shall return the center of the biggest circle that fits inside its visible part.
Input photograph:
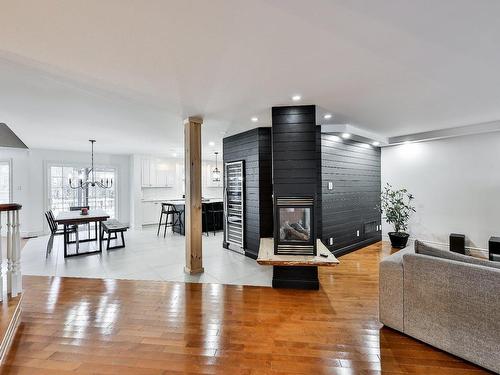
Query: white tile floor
(146, 257)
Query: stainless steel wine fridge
(234, 199)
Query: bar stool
(216, 210)
(169, 209)
(204, 217)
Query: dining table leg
(65, 240)
(100, 238)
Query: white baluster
(9, 253)
(1, 261)
(16, 256)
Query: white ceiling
(127, 72)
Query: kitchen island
(210, 221)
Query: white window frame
(80, 165)
(11, 185)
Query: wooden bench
(112, 227)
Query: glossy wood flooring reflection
(91, 326)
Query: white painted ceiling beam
(357, 134)
(485, 127)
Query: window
(5, 191)
(62, 196)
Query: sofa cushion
(421, 248)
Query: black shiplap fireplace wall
(295, 167)
(306, 160)
(254, 147)
(295, 164)
(351, 206)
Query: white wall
(29, 182)
(456, 183)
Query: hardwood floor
(93, 326)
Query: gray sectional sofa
(444, 299)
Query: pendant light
(103, 184)
(216, 172)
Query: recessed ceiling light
(376, 143)
(211, 144)
(296, 98)
(406, 142)
(335, 138)
(255, 119)
(365, 145)
(327, 116)
(174, 154)
(346, 135)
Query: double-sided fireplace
(294, 226)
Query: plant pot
(399, 240)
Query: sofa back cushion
(421, 248)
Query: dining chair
(55, 230)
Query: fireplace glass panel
(295, 224)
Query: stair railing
(12, 276)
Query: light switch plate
(330, 185)
(331, 241)
(357, 233)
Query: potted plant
(396, 207)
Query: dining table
(67, 218)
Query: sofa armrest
(454, 306)
(391, 290)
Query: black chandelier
(103, 184)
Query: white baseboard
(476, 251)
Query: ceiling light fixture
(211, 144)
(86, 172)
(174, 154)
(376, 143)
(254, 119)
(216, 172)
(296, 98)
(327, 116)
(346, 135)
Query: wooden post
(192, 215)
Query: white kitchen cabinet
(156, 173)
(145, 172)
(161, 176)
(150, 212)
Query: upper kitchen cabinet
(156, 173)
